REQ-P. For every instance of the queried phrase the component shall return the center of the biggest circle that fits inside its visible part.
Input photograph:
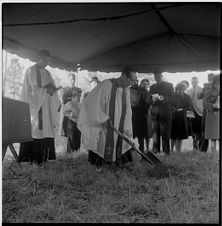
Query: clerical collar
(37, 65)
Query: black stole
(109, 146)
(39, 83)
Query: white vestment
(94, 113)
(38, 97)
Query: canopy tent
(172, 37)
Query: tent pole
(77, 76)
(5, 72)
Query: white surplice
(37, 98)
(94, 113)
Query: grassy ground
(70, 190)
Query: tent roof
(108, 36)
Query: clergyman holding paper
(40, 92)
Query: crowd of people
(161, 112)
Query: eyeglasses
(133, 79)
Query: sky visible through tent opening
(84, 76)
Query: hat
(186, 82)
(179, 85)
(95, 79)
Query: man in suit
(162, 94)
(195, 92)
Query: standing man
(109, 100)
(162, 94)
(40, 92)
(194, 94)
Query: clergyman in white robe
(93, 119)
(39, 99)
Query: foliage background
(14, 68)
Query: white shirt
(197, 103)
(71, 110)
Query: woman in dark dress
(145, 84)
(183, 104)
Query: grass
(70, 190)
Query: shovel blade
(152, 157)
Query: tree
(13, 80)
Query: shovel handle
(130, 143)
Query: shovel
(158, 170)
(150, 157)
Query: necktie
(194, 93)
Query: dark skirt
(74, 136)
(189, 125)
(197, 124)
(37, 151)
(149, 130)
(139, 122)
(179, 125)
(65, 125)
(96, 160)
(212, 125)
